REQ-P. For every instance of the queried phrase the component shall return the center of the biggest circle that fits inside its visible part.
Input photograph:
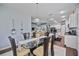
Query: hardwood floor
(60, 43)
(71, 52)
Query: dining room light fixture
(51, 14)
(37, 19)
(63, 16)
(63, 19)
(55, 21)
(22, 27)
(51, 19)
(62, 12)
(13, 30)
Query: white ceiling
(44, 9)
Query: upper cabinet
(73, 20)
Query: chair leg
(52, 48)
(28, 54)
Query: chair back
(26, 35)
(47, 34)
(46, 44)
(34, 34)
(13, 45)
(52, 45)
(52, 42)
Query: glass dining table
(31, 44)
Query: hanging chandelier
(13, 30)
(22, 27)
(37, 18)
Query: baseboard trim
(5, 50)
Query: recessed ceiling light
(62, 12)
(37, 20)
(51, 19)
(63, 16)
(55, 21)
(63, 19)
(51, 14)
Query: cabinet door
(71, 41)
(73, 20)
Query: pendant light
(21, 27)
(13, 31)
(37, 19)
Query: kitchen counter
(70, 34)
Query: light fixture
(63, 16)
(37, 19)
(63, 19)
(51, 19)
(55, 21)
(51, 15)
(62, 12)
(13, 30)
(22, 27)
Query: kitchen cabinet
(73, 20)
(71, 41)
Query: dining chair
(13, 45)
(26, 35)
(16, 52)
(42, 50)
(52, 45)
(34, 34)
(52, 42)
(46, 33)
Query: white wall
(78, 29)
(6, 16)
(78, 32)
